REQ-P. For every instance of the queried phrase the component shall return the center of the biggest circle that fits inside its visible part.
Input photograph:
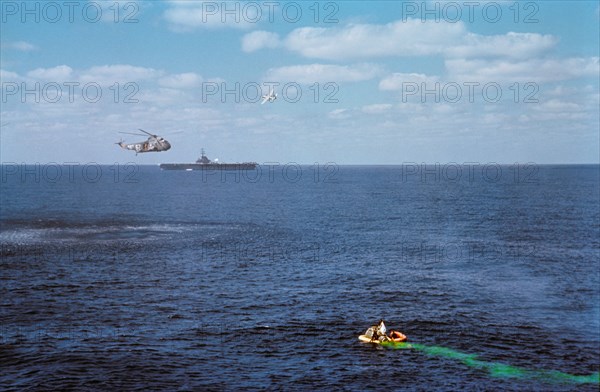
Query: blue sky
(508, 81)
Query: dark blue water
(135, 278)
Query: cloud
(108, 75)
(322, 73)
(20, 46)
(533, 70)
(55, 74)
(511, 45)
(339, 114)
(181, 81)
(396, 80)
(260, 39)
(162, 96)
(8, 76)
(570, 108)
(121, 73)
(369, 40)
(557, 105)
(376, 108)
(185, 16)
(410, 37)
(156, 89)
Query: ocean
(126, 277)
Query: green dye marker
(496, 369)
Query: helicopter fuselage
(153, 144)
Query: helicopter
(153, 144)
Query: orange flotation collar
(398, 336)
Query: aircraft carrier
(203, 163)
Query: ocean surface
(127, 277)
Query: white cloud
(20, 46)
(411, 37)
(376, 108)
(121, 73)
(339, 114)
(158, 87)
(560, 109)
(511, 45)
(182, 80)
(108, 75)
(185, 16)
(369, 40)
(8, 76)
(396, 80)
(533, 70)
(260, 39)
(162, 96)
(557, 105)
(322, 73)
(55, 74)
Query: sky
(378, 82)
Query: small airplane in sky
(153, 144)
(272, 96)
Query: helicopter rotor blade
(130, 133)
(148, 133)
